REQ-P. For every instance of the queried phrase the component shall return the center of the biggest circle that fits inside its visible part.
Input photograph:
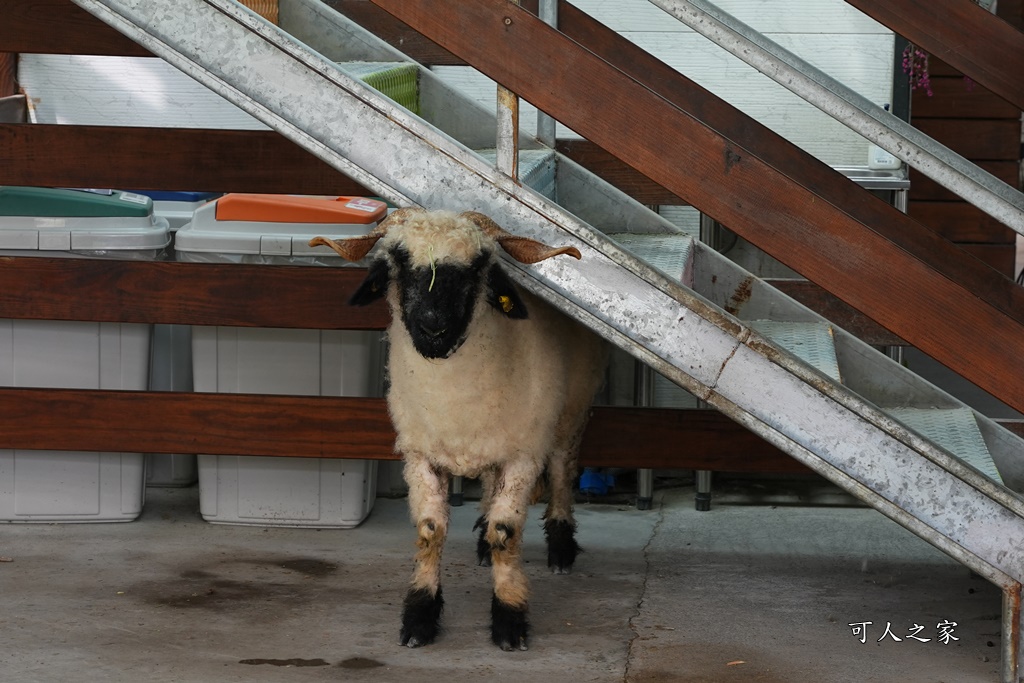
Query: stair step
(536, 168)
(397, 80)
(668, 252)
(955, 429)
(811, 342)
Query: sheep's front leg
(428, 505)
(506, 518)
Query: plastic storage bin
(269, 491)
(171, 360)
(71, 486)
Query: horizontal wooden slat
(923, 188)
(954, 97)
(993, 56)
(1001, 257)
(164, 159)
(59, 27)
(333, 427)
(184, 293)
(618, 173)
(349, 427)
(8, 74)
(842, 314)
(978, 140)
(961, 222)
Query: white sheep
(485, 381)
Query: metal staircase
(837, 405)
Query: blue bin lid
(167, 196)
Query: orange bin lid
(279, 208)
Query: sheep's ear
(522, 249)
(373, 287)
(502, 294)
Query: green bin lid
(48, 202)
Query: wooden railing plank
(954, 308)
(994, 55)
(164, 159)
(60, 27)
(184, 293)
(618, 173)
(343, 427)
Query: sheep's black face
(437, 302)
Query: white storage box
(281, 491)
(71, 486)
(171, 362)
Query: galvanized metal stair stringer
(687, 338)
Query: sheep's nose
(431, 324)
(432, 331)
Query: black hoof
(509, 626)
(562, 547)
(421, 617)
(483, 549)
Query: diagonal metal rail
(722, 361)
(931, 158)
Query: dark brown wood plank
(678, 439)
(830, 307)
(8, 74)
(221, 424)
(185, 293)
(727, 167)
(994, 55)
(618, 173)
(59, 27)
(333, 427)
(164, 159)
(956, 97)
(347, 427)
(1000, 257)
(961, 222)
(400, 35)
(977, 140)
(923, 188)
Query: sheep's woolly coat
(515, 389)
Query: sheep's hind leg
(483, 548)
(559, 524)
(504, 535)
(428, 502)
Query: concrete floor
(747, 592)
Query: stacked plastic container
(171, 360)
(282, 491)
(65, 486)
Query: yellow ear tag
(506, 303)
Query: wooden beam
(344, 427)
(184, 293)
(833, 309)
(954, 308)
(59, 27)
(956, 97)
(348, 427)
(994, 55)
(164, 159)
(977, 140)
(923, 188)
(961, 222)
(618, 173)
(8, 74)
